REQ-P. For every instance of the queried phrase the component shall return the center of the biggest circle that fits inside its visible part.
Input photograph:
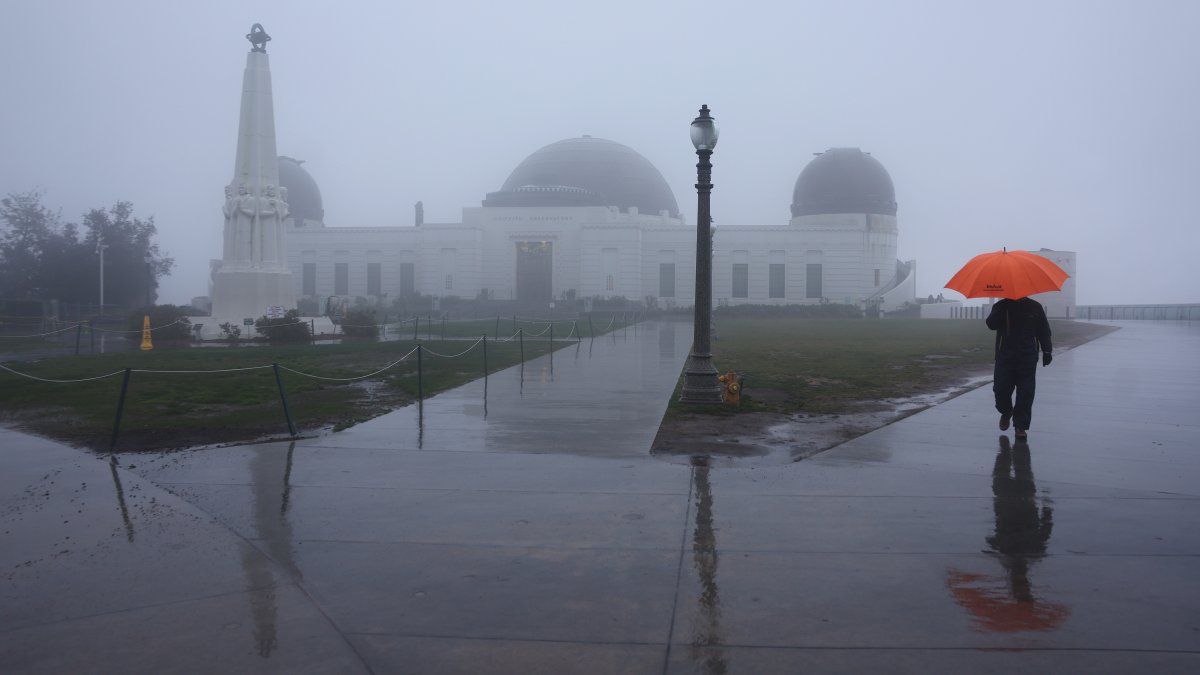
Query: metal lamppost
(100, 246)
(700, 384)
(149, 260)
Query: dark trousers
(1016, 371)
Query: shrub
(170, 324)
(288, 329)
(230, 333)
(308, 306)
(360, 322)
(821, 311)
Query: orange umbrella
(1007, 274)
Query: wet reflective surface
(529, 532)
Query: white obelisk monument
(253, 279)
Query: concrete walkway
(533, 534)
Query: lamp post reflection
(706, 632)
(1022, 531)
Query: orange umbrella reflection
(1007, 604)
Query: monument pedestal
(246, 294)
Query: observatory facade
(591, 218)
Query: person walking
(1022, 333)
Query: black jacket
(1021, 327)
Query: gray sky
(1069, 125)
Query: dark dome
(844, 180)
(304, 197)
(586, 172)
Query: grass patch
(176, 409)
(841, 366)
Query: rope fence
(419, 350)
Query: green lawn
(172, 409)
(838, 366)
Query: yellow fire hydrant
(731, 384)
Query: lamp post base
(700, 384)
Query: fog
(1066, 125)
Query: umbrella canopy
(1007, 274)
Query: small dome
(844, 180)
(304, 197)
(586, 172)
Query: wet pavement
(534, 534)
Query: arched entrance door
(534, 271)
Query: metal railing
(1186, 312)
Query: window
(309, 285)
(408, 284)
(813, 282)
(877, 277)
(741, 280)
(341, 278)
(776, 285)
(374, 283)
(449, 267)
(608, 267)
(666, 280)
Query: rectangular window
(876, 278)
(408, 283)
(666, 280)
(374, 280)
(741, 280)
(341, 278)
(776, 284)
(812, 284)
(608, 267)
(309, 287)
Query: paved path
(541, 539)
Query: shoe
(1004, 419)
(1022, 435)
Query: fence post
(78, 335)
(420, 376)
(120, 409)
(551, 335)
(591, 329)
(521, 335)
(497, 325)
(416, 325)
(485, 368)
(283, 398)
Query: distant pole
(100, 246)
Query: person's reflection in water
(706, 633)
(1022, 530)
